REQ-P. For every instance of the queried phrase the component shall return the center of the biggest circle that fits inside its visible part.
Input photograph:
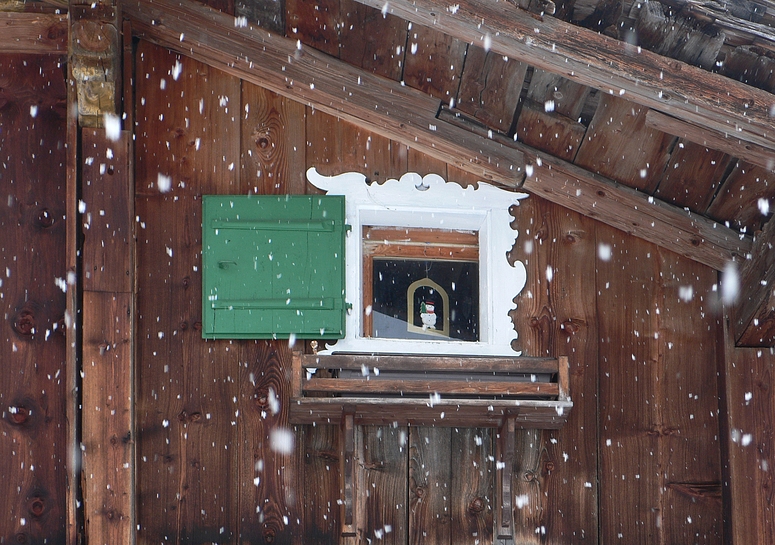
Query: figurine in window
(428, 314)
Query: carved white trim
(431, 202)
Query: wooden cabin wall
(34, 451)
(639, 461)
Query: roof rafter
(388, 108)
(754, 323)
(666, 85)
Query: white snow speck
(163, 182)
(746, 439)
(281, 440)
(176, 70)
(764, 206)
(240, 22)
(549, 273)
(61, 284)
(487, 42)
(274, 401)
(549, 106)
(686, 293)
(604, 251)
(522, 500)
(112, 127)
(34, 110)
(730, 283)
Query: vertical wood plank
(371, 40)
(471, 488)
(556, 315)
(271, 501)
(108, 439)
(34, 430)
(434, 62)
(273, 143)
(430, 493)
(314, 23)
(749, 443)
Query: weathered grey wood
(269, 14)
(568, 185)
(275, 63)
(726, 142)
(739, 200)
(667, 85)
(39, 33)
(431, 464)
(754, 323)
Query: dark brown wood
(107, 217)
(127, 76)
(434, 62)
(490, 87)
(749, 381)
(637, 160)
(371, 40)
(34, 380)
(314, 24)
(624, 208)
(557, 484)
(347, 450)
(754, 323)
(107, 415)
(738, 200)
(593, 59)
(528, 365)
(273, 143)
(724, 142)
(549, 131)
(387, 108)
(430, 474)
(269, 14)
(425, 386)
(566, 97)
(36, 33)
(504, 523)
(472, 490)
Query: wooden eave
(409, 116)
(33, 33)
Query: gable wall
(639, 459)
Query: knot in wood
(104, 346)
(21, 538)
(695, 242)
(183, 325)
(186, 282)
(549, 467)
(197, 326)
(113, 439)
(19, 415)
(476, 505)
(269, 534)
(45, 218)
(530, 476)
(419, 491)
(25, 323)
(37, 506)
(570, 327)
(262, 142)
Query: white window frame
(429, 202)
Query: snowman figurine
(428, 314)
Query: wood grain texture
(490, 87)
(471, 486)
(315, 24)
(271, 500)
(188, 128)
(753, 316)
(749, 380)
(430, 493)
(269, 15)
(33, 380)
(108, 219)
(567, 97)
(35, 33)
(559, 316)
(598, 61)
(636, 160)
(108, 438)
(273, 143)
(372, 41)
(548, 131)
(434, 62)
(737, 202)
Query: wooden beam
(409, 116)
(281, 65)
(693, 236)
(593, 59)
(38, 33)
(754, 323)
(730, 144)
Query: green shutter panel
(273, 266)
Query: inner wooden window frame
(411, 243)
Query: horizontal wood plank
(667, 85)
(276, 63)
(40, 33)
(429, 363)
(441, 387)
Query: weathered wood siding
(638, 461)
(34, 451)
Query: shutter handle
(225, 264)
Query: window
(426, 266)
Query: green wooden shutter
(273, 266)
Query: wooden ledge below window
(430, 390)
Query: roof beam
(36, 33)
(663, 84)
(755, 312)
(409, 116)
(690, 235)
(303, 74)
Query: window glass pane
(425, 299)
